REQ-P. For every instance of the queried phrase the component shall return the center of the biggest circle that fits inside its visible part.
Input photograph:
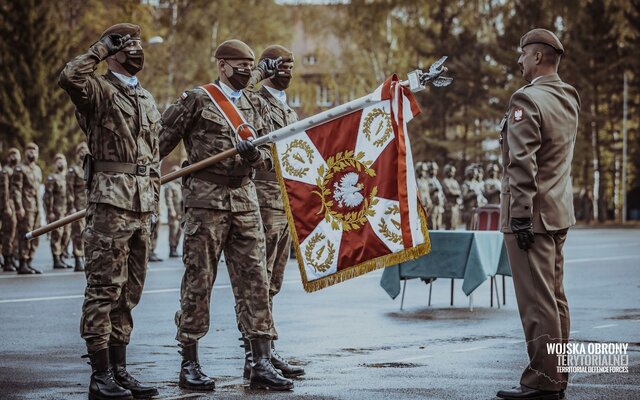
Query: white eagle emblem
(517, 114)
(348, 192)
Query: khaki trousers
(544, 311)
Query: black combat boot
(24, 269)
(248, 360)
(118, 363)
(35, 271)
(263, 374)
(103, 385)
(288, 370)
(79, 264)
(191, 376)
(153, 257)
(58, 264)
(173, 253)
(8, 264)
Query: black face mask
(281, 80)
(239, 79)
(131, 60)
(60, 168)
(13, 162)
(31, 158)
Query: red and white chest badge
(517, 114)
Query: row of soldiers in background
(20, 208)
(445, 203)
(64, 194)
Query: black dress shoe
(524, 392)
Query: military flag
(350, 192)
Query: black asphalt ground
(353, 340)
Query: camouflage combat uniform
(437, 202)
(8, 216)
(472, 197)
(221, 214)
(274, 218)
(423, 190)
(173, 200)
(491, 189)
(453, 199)
(55, 205)
(77, 200)
(25, 183)
(121, 126)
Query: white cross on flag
(350, 192)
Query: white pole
(624, 150)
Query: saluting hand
(114, 43)
(269, 66)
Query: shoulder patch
(518, 114)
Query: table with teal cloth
(469, 255)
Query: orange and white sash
(234, 117)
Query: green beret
(275, 51)
(234, 50)
(542, 36)
(32, 146)
(123, 29)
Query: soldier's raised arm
(78, 76)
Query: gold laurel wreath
(311, 260)
(297, 144)
(339, 162)
(384, 228)
(368, 121)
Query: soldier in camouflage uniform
(9, 221)
(492, 185)
(436, 194)
(25, 183)
(453, 198)
(274, 218)
(222, 214)
(472, 196)
(423, 188)
(55, 207)
(173, 200)
(77, 200)
(120, 119)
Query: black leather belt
(121, 167)
(230, 181)
(266, 176)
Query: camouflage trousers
(434, 221)
(59, 237)
(207, 233)
(76, 237)
(27, 248)
(278, 245)
(117, 245)
(175, 231)
(8, 233)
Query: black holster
(87, 166)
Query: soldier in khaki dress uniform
(9, 221)
(25, 182)
(222, 214)
(77, 200)
(538, 138)
(120, 120)
(55, 207)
